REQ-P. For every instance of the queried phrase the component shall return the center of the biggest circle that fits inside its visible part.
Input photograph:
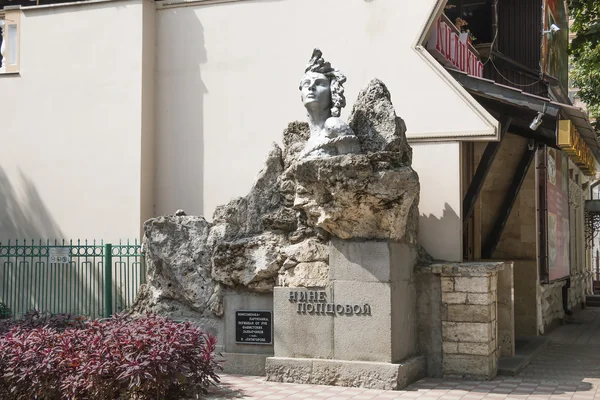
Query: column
(469, 320)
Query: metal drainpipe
(565, 297)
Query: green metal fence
(83, 278)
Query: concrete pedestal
(361, 330)
(371, 375)
(241, 358)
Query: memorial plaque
(254, 327)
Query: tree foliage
(585, 52)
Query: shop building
(524, 195)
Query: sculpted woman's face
(315, 91)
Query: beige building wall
(76, 152)
(74, 122)
(227, 79)
(440, 202)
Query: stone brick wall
(469, 325)
(469, 319)
(551, 304)
(551, 301)
(580, 263)
(581, 285)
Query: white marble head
(315, 91)
(322, 85)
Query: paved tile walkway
(573, 353)
(568, 369)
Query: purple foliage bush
(65, 357)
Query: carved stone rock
(178, 263)
(243, 216)
(294, 139)
(307, 251)
(250, 262)
(279, 233)
(283, 219)
(376, 124)
(312, 274)
(360, 196)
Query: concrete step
(592, 301)
(527, 348)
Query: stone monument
(308, 278)
(357, 326)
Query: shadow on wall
(432, 230)
(180, 141)
(24, 215)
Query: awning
(580, 119)
(489, 89)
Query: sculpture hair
(336, 78)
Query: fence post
(107, 280)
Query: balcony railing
(453, 48)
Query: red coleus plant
(64, 357)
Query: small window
(9, 40)
(11, 45)
(2, 27)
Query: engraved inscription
(314, 302)
(253, 327)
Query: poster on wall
(555, 60)
(557, 195)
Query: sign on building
(59, 255)
(254, 327)
(452, 48)
(557, 214)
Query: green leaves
(585, 53)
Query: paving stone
(568, 369)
